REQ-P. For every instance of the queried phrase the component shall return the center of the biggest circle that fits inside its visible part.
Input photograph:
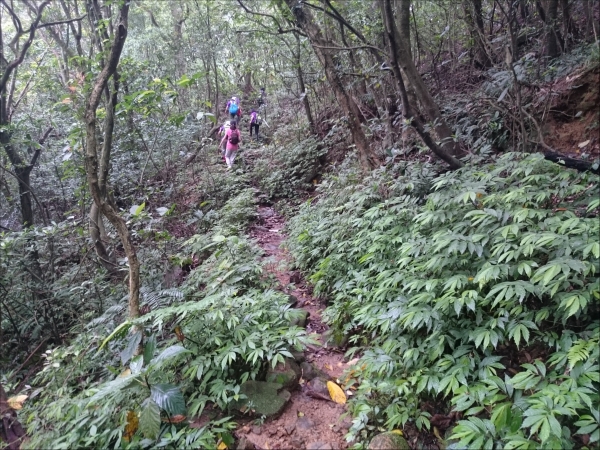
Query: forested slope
(407, 242)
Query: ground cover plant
(224, 325)
(471, 295)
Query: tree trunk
(404, 35)
(305, 21)
(474, 19)
(549, 16)
(94, 175)
(301, 85)
(406, 64)
(392, 35)
(569, 28)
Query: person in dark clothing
(255, 121)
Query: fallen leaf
(131, 426)
(352, 362)
(328, 367)
(16, 402)
(300, 414)
(437, 433)
(583, 144)
(174, 419)
(336, 393)
(179, 333)
(398, 432)
(222, 446)
(125, 373)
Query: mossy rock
(388, 441)
(309, 371)
(299, 318)
(286, 374)
(263, 398)
(292, 300)
(336, 338)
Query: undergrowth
(151, 381)
(475, 290)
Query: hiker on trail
(255, 121)
(261, 98)
(233, 138)
(222, 132)
(233, 108)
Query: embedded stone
(262, 398)
(286, 374)
(388, 441)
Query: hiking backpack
(234, 137)
(233, 108)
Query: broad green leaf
(149, 349)
(132, 344)
(118, 332)
(149, 424)
(168, 397)
(169, 353)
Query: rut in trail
(306, 422)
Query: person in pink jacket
(233, 138)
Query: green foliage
(286, 168)
(225, 326)
(447, 280)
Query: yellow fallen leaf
(336, 393)
(398, 432)
(132, 425)
(125, 373)
(16, 402)
(222, 446)
(437, 433)
(328, 367)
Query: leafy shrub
(283, 171)
(453, 292)
(237, 213)
(197, 350)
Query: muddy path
(306, 422)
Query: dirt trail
(306, 422)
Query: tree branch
(280, 30)
(61, 22)
(19, 59)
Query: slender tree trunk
(474, 19)
(93, 166)
(305, 21)
(404, 35)
(570, 32)
(392, 34)
(549, 16)
(405, 62)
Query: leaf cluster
(451, 293)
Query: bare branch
(280, 30)
(19, 59)
(61, 22)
